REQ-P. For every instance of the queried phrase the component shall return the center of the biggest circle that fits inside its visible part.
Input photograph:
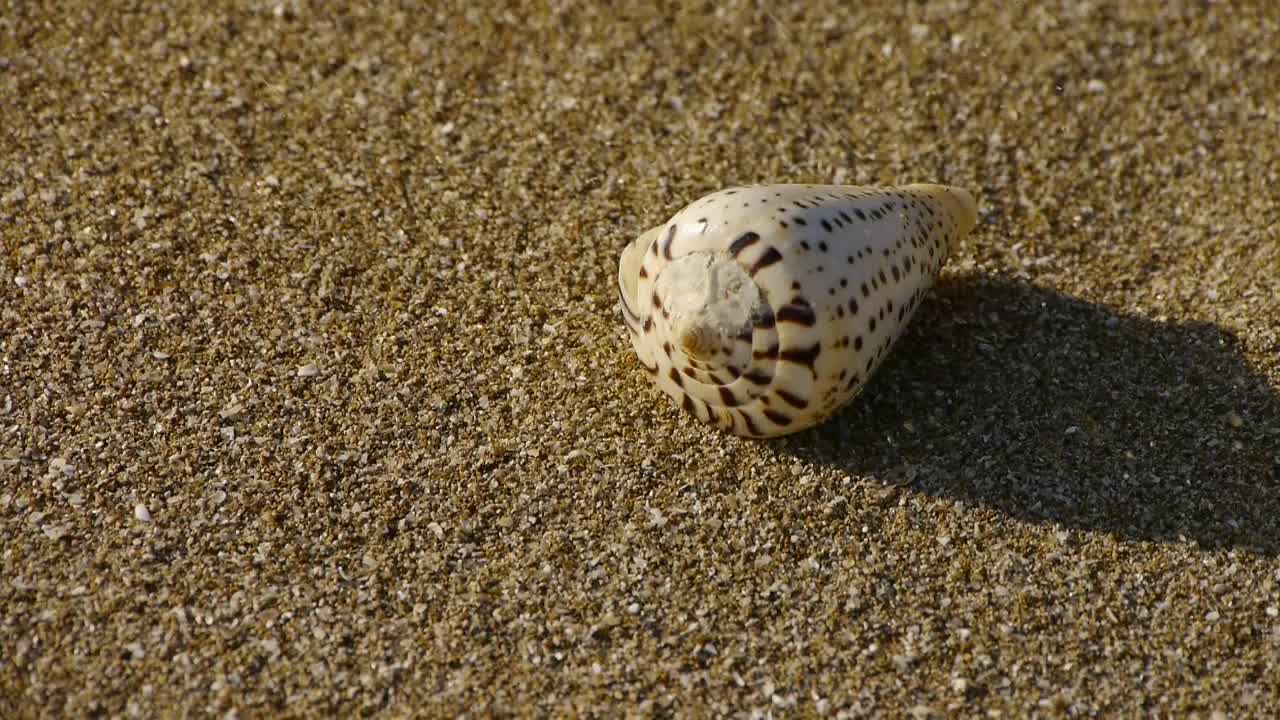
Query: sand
(315, 400)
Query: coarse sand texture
(324, 330)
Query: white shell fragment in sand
(765, 309)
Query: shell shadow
(1052, 409)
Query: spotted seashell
(765, 309)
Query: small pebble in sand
(54, 532)
(141, 512)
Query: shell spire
(764, 309)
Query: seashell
(765, 309)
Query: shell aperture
(764, 309)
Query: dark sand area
(315, 399)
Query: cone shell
(780, 301)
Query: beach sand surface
(315, 399)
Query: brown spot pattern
(770, 257)
(891, 268)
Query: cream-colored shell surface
(840, 270)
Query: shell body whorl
(764, 309)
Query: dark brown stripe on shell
(751, 425)
(771, 352)
(727, 396)
(744, 241)
(758, 378)
(666, 244)
(769, 257)
(799, 314)
(776, 417)
(675, 377)
(804, 356)
(798, 403)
